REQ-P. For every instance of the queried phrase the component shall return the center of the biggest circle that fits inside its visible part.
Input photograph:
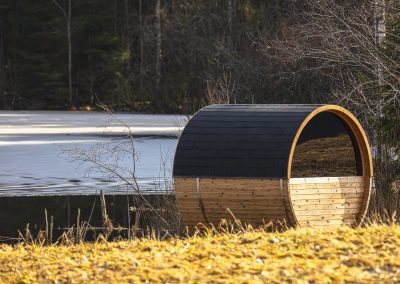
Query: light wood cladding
(323, 201)
(252, 201)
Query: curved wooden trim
(362, 141)
(364, 206)
(355, 126)
(288, 205)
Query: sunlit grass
(305, 255)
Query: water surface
(38, 151)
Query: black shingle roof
(239, 141)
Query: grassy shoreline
(339, 255)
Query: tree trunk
(381, 158)
(158, 46)
(141, 43)
(127, 27)
(4, 10)
(230, 16)
(67, 12)
(92, 95)
(127, 87)
(380, 31)
(379, 21)
(71, 98)
(115, 7)
(3, 76)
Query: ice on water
(35, 159)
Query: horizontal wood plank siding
(301, 201)
(185, 194)
(326, 201)
(254, 201)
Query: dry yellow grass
(323, 256)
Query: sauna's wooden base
(326, 201)
(298, 202)
(251, 201)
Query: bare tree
(67, 12)
(221, 91)
(379, 21)
(348, 45)
(340, 43)
(106, 159)
(115, 13)
(158, 46)
(128, 32)
(230, 22)
(380, 31)
(3, 59)
(141, 71)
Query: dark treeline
(156, 56)
(178, 55)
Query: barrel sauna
(306, 165)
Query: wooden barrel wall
(251, 201)
(242, 158)
(329, 201)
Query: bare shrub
(221, 91)
(105, 158)
(354, 47)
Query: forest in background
(152, 56)
(165, 56)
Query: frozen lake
(44, 153)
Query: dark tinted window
(326, 149)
